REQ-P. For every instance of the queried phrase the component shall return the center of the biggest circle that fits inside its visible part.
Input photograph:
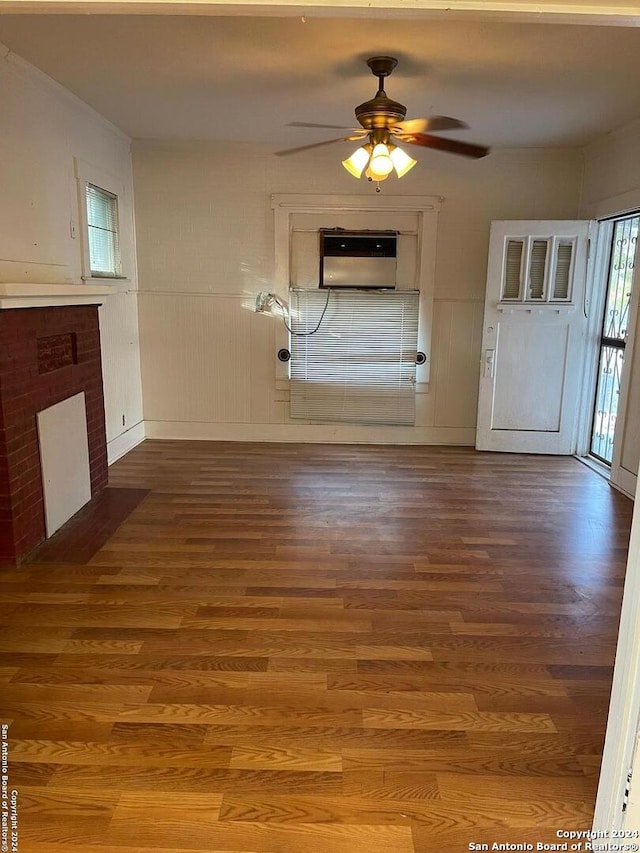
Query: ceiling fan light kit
(402, 163)
(378, 163)
(382, 124)
(358, 160)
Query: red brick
(24, 391)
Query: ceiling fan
(382, 125)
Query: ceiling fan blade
(318, 145)
(311, 124)
(453, 146)
(427, 125)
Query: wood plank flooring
(90, 528)
(317, 649)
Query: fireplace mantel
(30, 295)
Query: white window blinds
(102, 227)
(360, 365)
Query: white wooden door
(533, 337)
(626, 441)
(631, 820)
(623, 724)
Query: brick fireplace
(47, 354)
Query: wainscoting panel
(196, 358)
(120, 363)
(457, 326)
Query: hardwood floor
(317, 649)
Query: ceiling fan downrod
(380, 111)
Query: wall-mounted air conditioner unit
(363, 259)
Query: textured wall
(205, 238)
(45, 132)
(612, 173)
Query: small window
(538, 269)
(545, 264)
(512, 267)
(562, 277)
(102, 232)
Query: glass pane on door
(613, 337)
(604, 418)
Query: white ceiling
(245, 78)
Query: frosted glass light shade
(369, 173)
(381, 163)
(356, 163)
(402, 163)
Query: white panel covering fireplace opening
(360, 364)
(64, 459)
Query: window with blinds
(102, 232)
(360, 364)
(538, 269)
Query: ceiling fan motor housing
(380, 112)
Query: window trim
(113, 199)
(426, 207)
(86, 175)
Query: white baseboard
(313, 433)
(125, 442)
(624, 481)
